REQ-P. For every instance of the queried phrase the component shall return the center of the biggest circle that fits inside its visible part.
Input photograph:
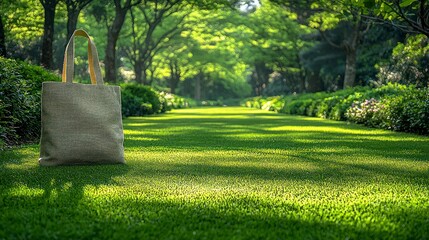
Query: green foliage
(376, 50)
(20, 87)
(408, 64)
(271, 42)
(393, 106)
(132, 105)
(269, 103)
(269, 49)
(227, 173)
(139, 100)
(408, 112)
(364, 112)
(390, 10)
(171, 101)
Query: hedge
(393, 106)
(20, 89)
(139, 100)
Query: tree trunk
(151, 78)
(314, 82)
(174, 76)
(350, 73)
(144, 76)
(112, 39)
(351, 46)
(301, 75)
(262, 73)
(48, 33)
(138, 70)
(198, 86)
(3, 52)
(173, 85)
(72, 17)
(144, 69)
(110, 58)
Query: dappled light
(229, 172)
(237, 119)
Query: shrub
(20, 88)
(392, 106)
(139, 100)
(172, 101)
(326, 106)
(365, 112)
(408, 112)
(210, 103)
(313, 108)
(131, 105)
(408, 63)
(273, 104)
(164, 99)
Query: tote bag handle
(93, 62)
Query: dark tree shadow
(147, 214)
(67, 182)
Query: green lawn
(227, 173)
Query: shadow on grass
(337, 150)
(38, 202)
(326, 171)
(234, 217)
(65, 182)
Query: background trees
(229, 49)
(49, 7)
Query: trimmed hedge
(20, 87)
(140, 100)
(20, 91)
(393, 106)
(170, 101)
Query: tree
(22, 30)
(73, 9)
(148, 36)
(271, 45)
(113, 14)
(112, 37)
(342, 11)
(325, 15)
(202, 61)
(48, 32)
(323, 64)
(408, 63)
(414, 14)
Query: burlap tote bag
(81, 123)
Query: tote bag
(81, 123)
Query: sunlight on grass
(227, 173)
(323, 129)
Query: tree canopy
(228, 49)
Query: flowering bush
(392, 106)
(365, 112)
(170, 101)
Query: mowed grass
(227, 173)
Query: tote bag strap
(93, 62)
